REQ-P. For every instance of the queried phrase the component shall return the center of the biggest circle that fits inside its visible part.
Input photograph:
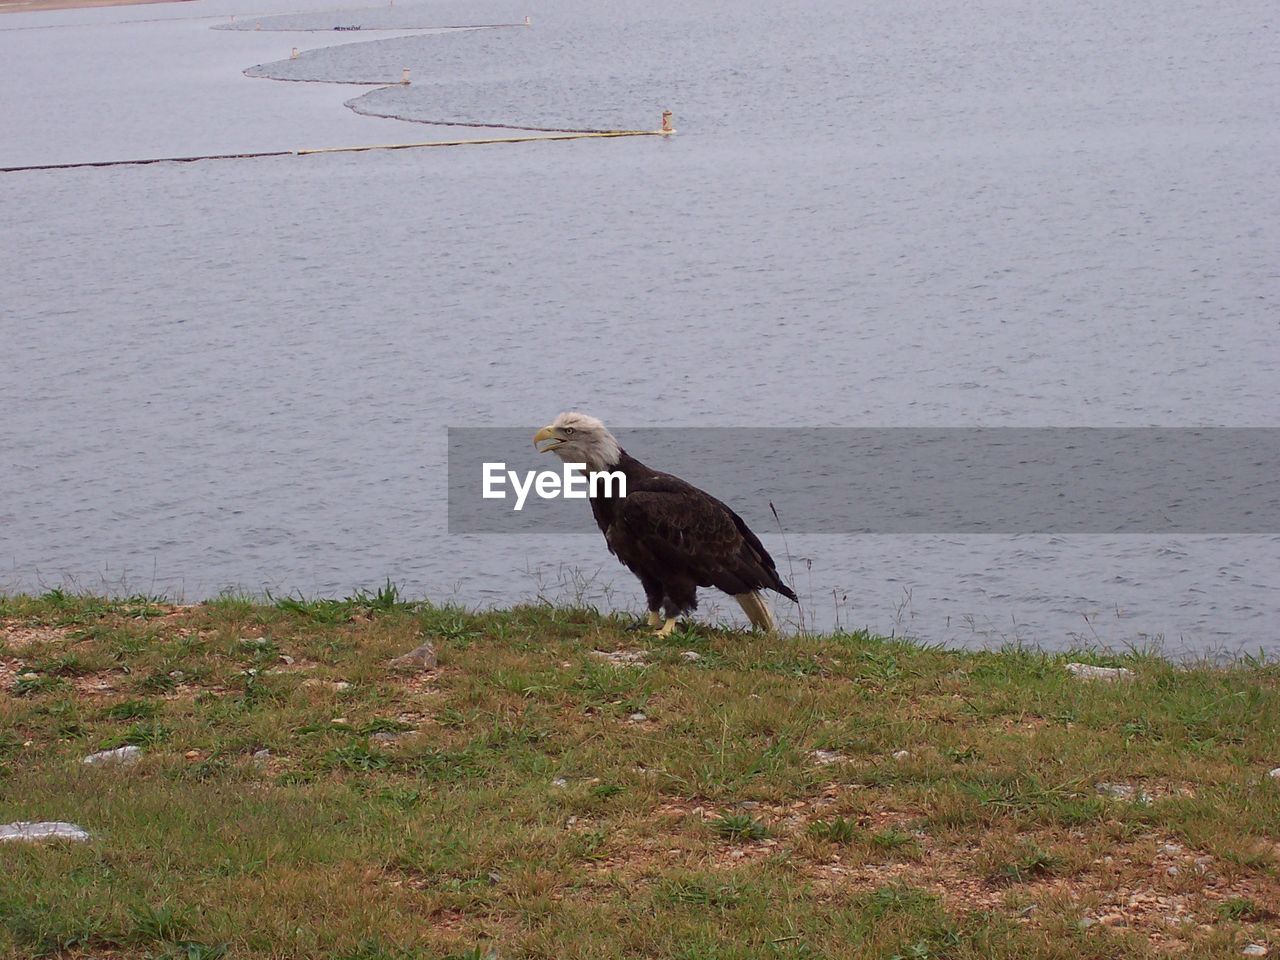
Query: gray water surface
(239, 374)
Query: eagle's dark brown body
(676, 538)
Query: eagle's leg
(651, 622)
(680, 598)
(653, 599)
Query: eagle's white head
(578, 438)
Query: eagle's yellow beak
(547, 433)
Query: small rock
(29, 676)
(637, 718)
(177, 675)
(827, 757)
(559, 782)
(691, 656)
(620, 657)
(261, 758)
(1172, 849)
(422, 657)
(44, 830)
(1173, 871)
(1274, 774)
(901, 755)
(495, 877)
(192, 754)
(1121, 791)
(1087, 671)
(286, 660)
(1254, 950)
(254, 641)
(120, 755)
(337, 685)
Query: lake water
(239, 374)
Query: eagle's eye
(568, 431)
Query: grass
(739, 826)
(843, 796)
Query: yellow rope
(373, 146)
(463, 143)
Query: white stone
(637, 718)
(1121, 791)
(1274, 774)
(631, 658)
(691, 656)
(827, 757)
(559, 782)
(337, 685)
(254, 641)
(44, 830)
(1254, 950)
(422, 657)
(901, 754)
(120, 755)
(1087, 671)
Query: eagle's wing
(689, 531)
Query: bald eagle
(670, 534)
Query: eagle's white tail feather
(757, 610)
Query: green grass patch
(841, 796)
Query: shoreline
(33, 6)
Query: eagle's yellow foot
(667, 628)
(654, 619)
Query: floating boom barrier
(666, 131)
